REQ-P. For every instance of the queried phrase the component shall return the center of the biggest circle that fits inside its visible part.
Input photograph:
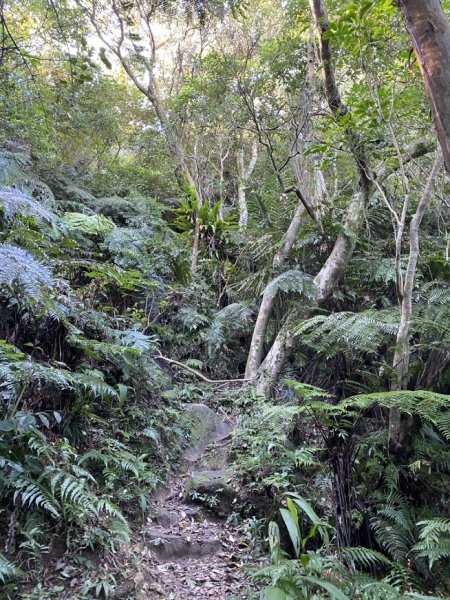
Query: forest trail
(196, 551)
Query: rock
(167, 518)
(213, 489)
(169, 547)
(205, 427)
(123, 590)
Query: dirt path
(193, 553)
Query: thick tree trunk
(429, 29)
(335, 265)
(273, 363)
(325, 282)
(438, 360)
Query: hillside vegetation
(244, 205)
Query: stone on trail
(213, 489)
(205, 427)
(172, 547)
(167, 518)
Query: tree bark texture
(429, 29)
(243, 177)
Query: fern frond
(96, 225)
(22, 277)
(229, 321)
(431, 407)
(32, 493)
(366, 557)
(293, 281)
(16, 202)
(94, 383)
(356, 332)
(8, 570)
(434, 540)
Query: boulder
(167, 518)
(213, 490)
(205, 427)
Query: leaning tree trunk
(325, 282)
(256, 350)
(335, 265)
(429, 29)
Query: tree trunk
(402, 350)
(273, 363)
(243, 177)
(335, 265)
(256, 350)
(196, 241)
(429, 29)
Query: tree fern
(293, 281)
(228, 322)
(356, 332)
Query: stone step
(213, 489)
(168, 546)
(170, 518)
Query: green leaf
(123, 392)
(273, 593)
(44, 420)
(6, 425)
(326, 585)
(293, 529)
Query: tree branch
(197, 373)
